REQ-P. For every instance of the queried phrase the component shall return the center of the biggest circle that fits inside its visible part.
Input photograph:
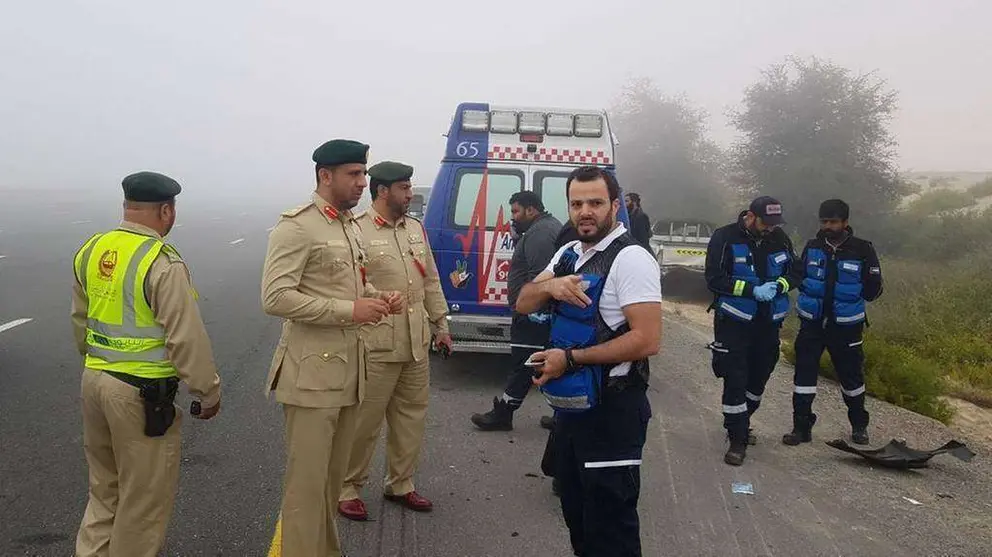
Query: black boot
(500, 418)
(859, 423)
(548, 422)
(802, 429)
(752, 439)
(736, 453)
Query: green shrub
(981, 189)
(940, 200)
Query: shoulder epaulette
(296, 210)
(172, 253)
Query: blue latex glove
(766, 291)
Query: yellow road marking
(685, 251)
(275, 549)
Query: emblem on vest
(108, 262)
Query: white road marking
(81, 222)
(15, 323)
(2, 256)
(238, 241)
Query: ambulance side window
(500, 185)
(550, 186)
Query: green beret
(341, 151)
(389, 172)
(150, 187)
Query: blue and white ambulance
(493, 152)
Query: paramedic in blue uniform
(598, 450)
(840, 273)
(750, 268)
(537, 230)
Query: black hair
(835, 209)
(592, 173)
(527, 199)
(374, 184)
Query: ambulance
(491, 153)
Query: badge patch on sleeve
(875, 270)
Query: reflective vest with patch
(121, 332)
(746, 309)
(576, 327)
(847, 306)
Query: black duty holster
(158, 396)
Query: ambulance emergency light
(511, 122)
(502, 121)
(475, 120)
(531, 122)
(560, 124)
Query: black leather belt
(132, 380)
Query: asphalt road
(490, 497)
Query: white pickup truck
(681, 244)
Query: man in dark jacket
(750, 268)
(640, 224)
(537, 231)
(840, 274)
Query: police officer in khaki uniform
(314, 278)
(137, 346)
(400, 259)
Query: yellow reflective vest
(121, 332)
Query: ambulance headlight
(560, 124)
(502, 121)
(588, 125)
(475, 120)
(531, 122)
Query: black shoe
(802, 430)
(547, 422)
(735, 454)
(500, 418)
(859, 435)
(752, 439)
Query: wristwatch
(569, 360)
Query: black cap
(834, 209)
(769, 209)
(150, 187)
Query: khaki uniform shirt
(169, 291)
(400, 259)
(312, 275)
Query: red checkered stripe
(496, 294)
(549, 154)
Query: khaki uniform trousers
(318, 442)
(397, 392)
(132, 477)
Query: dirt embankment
(969, 420)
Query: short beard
(602, 231)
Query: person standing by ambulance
(398, 347)
(137, 324)
(528, 332)
(750, 268)
(603, 332)
(314, 279)
(840, 273)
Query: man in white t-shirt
(598, 450)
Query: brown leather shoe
(353, 509)
(412, 501)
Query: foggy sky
(231, 97)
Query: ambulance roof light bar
(512, 122)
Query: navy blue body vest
(847, 305)
(582, 389)
(746, 309)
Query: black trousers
(844, 344)
(526, 338)
(744, 356)
(597, 463)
